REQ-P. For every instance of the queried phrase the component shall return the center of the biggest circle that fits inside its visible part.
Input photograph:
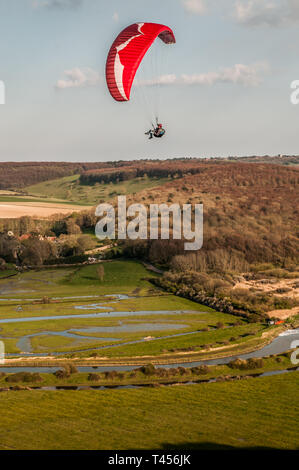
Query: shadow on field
(212, 446)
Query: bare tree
(100, 272)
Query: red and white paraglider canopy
(127, 52)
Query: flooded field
(59, 311)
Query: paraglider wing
(127, 52)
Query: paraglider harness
(157, 131)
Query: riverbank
(68, 376)
(251, 346)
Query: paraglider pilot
(156, 131)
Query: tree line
(152, 170)
(17, 175)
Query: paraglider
(125, 57)
(156, 131)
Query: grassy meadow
(69, 188)
(253, 413)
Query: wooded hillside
(17, 175)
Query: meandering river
(279, 345)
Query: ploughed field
(66, 195)
(19, 208)
(71, 310)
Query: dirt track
(11, 210)
(278, 287)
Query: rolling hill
(69, 189)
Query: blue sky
(228, 94)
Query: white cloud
(58, 4)
(247, 75)
(197, 7)
(162, 80)
(266, 12)
(115, 17)
(249, 12)
(79, 78)
(240, 74)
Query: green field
(197, 341)
(121, 277)
(69, 189)
(254, 413)
(8, 272)
(18, 199)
